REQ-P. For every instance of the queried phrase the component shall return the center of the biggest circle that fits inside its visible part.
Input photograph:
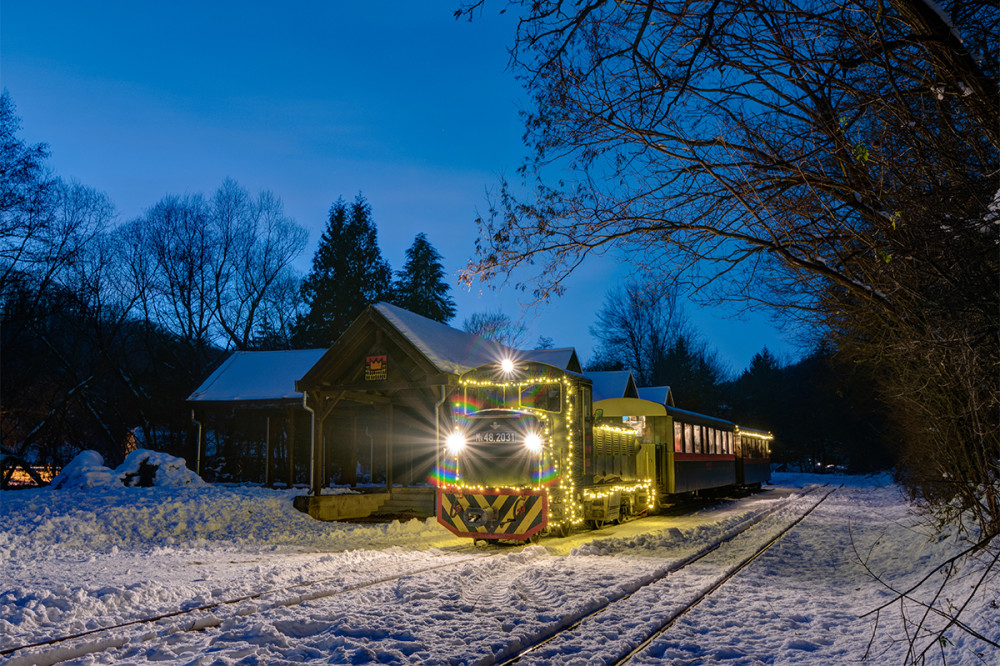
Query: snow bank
(106, 517)
(141, 467)
(85, 471)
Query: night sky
(312, 100)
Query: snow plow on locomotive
(528, 453)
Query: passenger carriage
(753, 456)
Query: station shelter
(249, 409)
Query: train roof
(629, 407)
(695, 417)
(257, 376)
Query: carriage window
(699, 440)
(546, 397)
(688, 438)
(678, 438)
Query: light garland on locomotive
(549, 441)
(553, 460)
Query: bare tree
(256, 245)
(45, 223)
(636, 326)
(838, 159)
(213, 271)
(496, 326)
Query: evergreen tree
(420, 287)
(694, 374)
(758, 395)
(348, 273)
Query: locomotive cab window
(490, 397)
(545, 397)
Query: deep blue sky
(312, 100)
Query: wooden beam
(290, 450)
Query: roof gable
(450, 350)
(564, 357)
(660, 394)
(420, 351)
(612, 384)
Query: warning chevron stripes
(493, 514)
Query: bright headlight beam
(533, 442)
(455, 443)
(507, 366)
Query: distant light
(507, 366)
(455, 443)
(533, 442)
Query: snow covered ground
(73, 560)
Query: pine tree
(348, 273)
(420, 287)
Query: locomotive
(529, 452)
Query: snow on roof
(660, 394)
(611, 384)
(564, 357)
(257, 375)
(449, 349)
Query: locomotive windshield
(546, 397)
(502, 449)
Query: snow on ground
(78, 559)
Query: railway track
(62, 648)
(165, 626)
(526, 654)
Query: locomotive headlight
(455, 442)
(533, 442)
(507, 366)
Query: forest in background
(108, 326)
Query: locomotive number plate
(495, 437)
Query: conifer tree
(348, 273)
(420, 287)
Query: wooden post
(321, 411)
(388, 448)
(351, 473)
(268, 452)
(290, 445)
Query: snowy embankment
(74, 560)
